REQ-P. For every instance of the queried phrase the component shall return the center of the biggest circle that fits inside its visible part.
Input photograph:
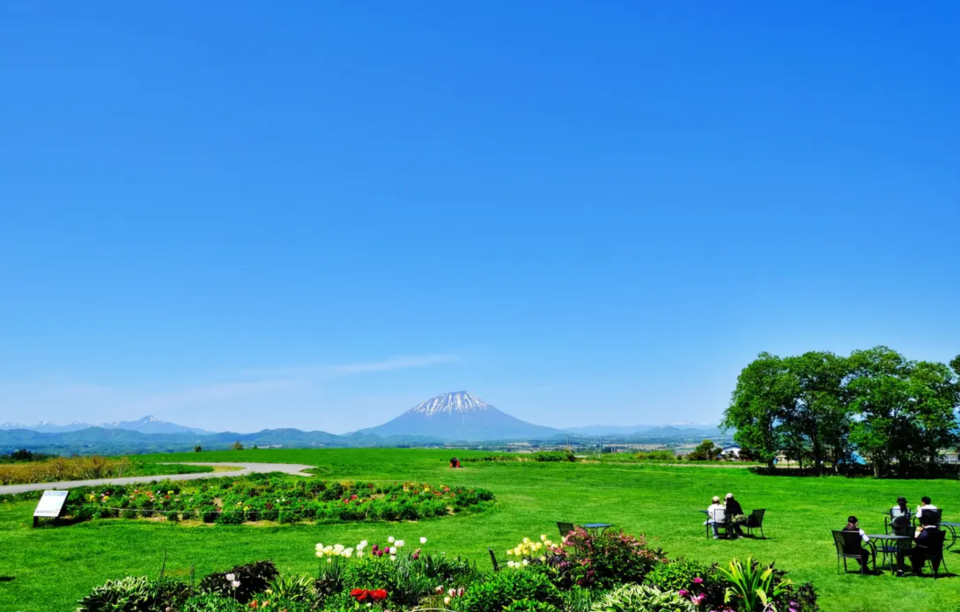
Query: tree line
(821, 410)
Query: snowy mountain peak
(149, 419)
(450, 403)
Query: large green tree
(756, 407)
(819, 411)
(880, 395)
(935, 394)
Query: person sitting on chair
(714, 511)
(928, 528)
(900, 509)
(735, 512)
(854, 525)
(901, 527)
(925, 504)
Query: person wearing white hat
(716, 515)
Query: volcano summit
(459, 416)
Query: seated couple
(719, 515)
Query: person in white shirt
(854, 525)
(716, 515)
(925, 504)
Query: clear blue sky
(253, 215)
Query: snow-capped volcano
(459, 416)
(459, 401)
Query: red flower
(378, 595)
(359, 594)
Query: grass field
(48, 569)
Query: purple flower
(684, 592)
(698, 580)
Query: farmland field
(48, 569)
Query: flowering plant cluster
(394, 576)
(260, 497)
(362, 595)
(531, 550)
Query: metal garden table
(596, 528)
(874, 537)
(952, 528)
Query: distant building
(730, 452)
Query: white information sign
(51, 504)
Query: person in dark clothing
(901, 527)
(928, 530)
(854, 525)
(735, 512)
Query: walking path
(245, 468)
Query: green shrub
(134, 594)
(751, 586)
(287, 517)
(642, 598)
(213, 603)
(401, 578)
(701, 581)
(241, 582)
(447, 571)
(554, 456)
(602, 561)
(579, 599)
(292, 588)
(501, 589)
(230, 517)
(530, 605)
(170, 593)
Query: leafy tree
(936, 395)
(757, 407)
(237, 445)
(880, 394)
(197, 448)
(705, 451)
(818, 414)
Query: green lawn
(47, 570)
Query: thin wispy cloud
(249, 384)
(363, 367)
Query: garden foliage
(578, 575)
(272, 497)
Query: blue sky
(258, 215)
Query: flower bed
(577, 575)
(270, 497)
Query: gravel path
(245, 468)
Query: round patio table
(884, 537)
(952, 528)
(596, 528)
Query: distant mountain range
(450, 418)
(629, 430)
(460, 416)
(148, 425)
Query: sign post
(50, 505)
